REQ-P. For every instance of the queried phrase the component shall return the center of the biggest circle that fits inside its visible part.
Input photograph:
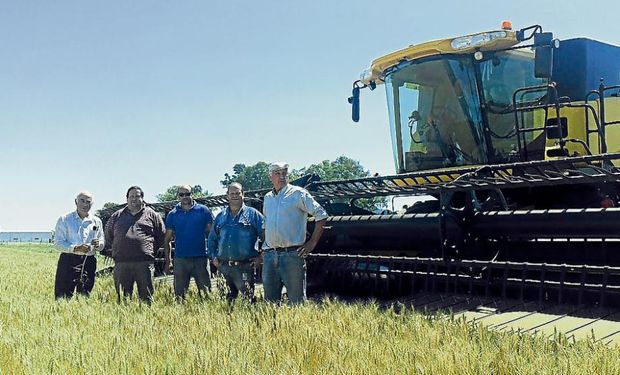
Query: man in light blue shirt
(232, 243)
(78, 235)
(286, 209)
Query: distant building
(26, 236)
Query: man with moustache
(78, 235)
(286, 208)
(189, 223)
(232, 243)
(135, 233)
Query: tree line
(256, 177)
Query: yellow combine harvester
(516, 135)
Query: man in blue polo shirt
(189, 223)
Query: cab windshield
(436, 112)
(501, 74)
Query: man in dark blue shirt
(189, 223)
(232, 243)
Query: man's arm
(307, 248)
(61, 240)
(109, 233)
(258, 224)
(210, 220)
(212, 245)
(311, 206)
(159, 231)
(167, 249)
(263, 232)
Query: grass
(96, 335)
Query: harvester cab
(494, 97)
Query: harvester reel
(457, 211)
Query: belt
(283, 249)
(233, 263)
(77, 255)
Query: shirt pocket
(144, 228)
(246, 226)
(244, 221)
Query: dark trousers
(185, 269)
(127, 273)
(74, 273)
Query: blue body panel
(579, 64)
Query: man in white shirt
(286, 210)
(78, 235)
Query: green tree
(344, 168)
(256, 177)
(109, 205)
(171, 193)
(253, 177)
(107, 210)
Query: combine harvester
(515, 135)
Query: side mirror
(543, 60)
(354, 100)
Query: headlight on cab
(477, 40)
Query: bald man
(78, 236)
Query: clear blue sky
(104, 95)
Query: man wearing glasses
(189, 224)
(78, 235)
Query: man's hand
(95, 243)
(306, 248)
(256, 261)
(216, 262)
(81, 249)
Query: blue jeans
(239, 278)
(185, 269)
(284, 269)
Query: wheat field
(96, 335)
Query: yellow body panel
(436, 47)
(576, 118)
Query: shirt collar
(77, 216)
(285, 188)
(229, 212)
(126, 209)
(179, 207)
